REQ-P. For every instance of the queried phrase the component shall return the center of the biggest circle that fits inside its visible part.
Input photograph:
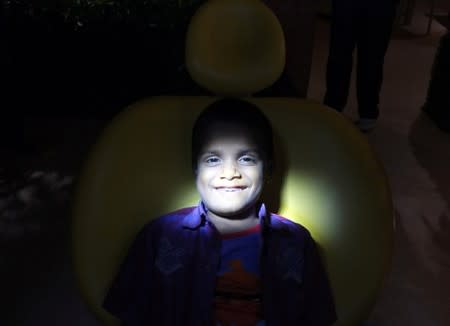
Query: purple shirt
(169, 275)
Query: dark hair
(236, 112)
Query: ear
(267, 171)
(267, 178)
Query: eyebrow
(219, 152)
(209, 153)
(249, 151)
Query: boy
(227, 261)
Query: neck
(235, 223)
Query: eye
(212, 160)
(248, 160)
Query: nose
(230, 171)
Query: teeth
(230, 189)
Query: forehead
(226, 134)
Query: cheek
(256, 176)
(204, 177)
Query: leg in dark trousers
(374, 33)
(12, 115)
(343, 36)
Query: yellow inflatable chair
(327, 179)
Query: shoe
(366, 125)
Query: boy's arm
(128, 297)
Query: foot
(365, 124)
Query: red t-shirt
(237, 300)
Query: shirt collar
(198, 217)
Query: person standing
(366, 26)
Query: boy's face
(229, 171)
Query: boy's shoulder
(288, 227)
(176, 216)
(168, 222)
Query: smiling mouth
(231, 189)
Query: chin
(229, 211)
